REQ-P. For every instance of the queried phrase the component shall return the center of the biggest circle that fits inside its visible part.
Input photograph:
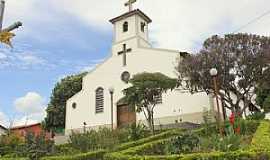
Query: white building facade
(131, 54)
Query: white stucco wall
(108, 74)
(143, 58)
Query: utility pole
(5, 34)
(2, 10)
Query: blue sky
(64, 37)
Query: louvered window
(99, 100)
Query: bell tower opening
(132, 24)
(130, 29)
(125, 26)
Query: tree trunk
(150, 120)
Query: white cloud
(31, 103)
(23, 58)
(177, 24)
(29, 59)
(32, 106)
(3, 56)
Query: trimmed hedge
(147, 148)
(238, 155)
(259, 150)
(261, 138)
(163, 135)
(97, 155)
(14, 159)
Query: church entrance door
(125, 115)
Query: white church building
(131, 53)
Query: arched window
(99, 100)
(125, 27)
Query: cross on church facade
(129, 4)
(124, 53)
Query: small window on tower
(125, 27)
(143, 26)
(74, 105)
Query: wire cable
(252, 21)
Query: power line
(252, 21)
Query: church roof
(131, 13)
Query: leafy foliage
(145, 87)
(9, 144)
(261, 138)
(263, 95)
(221, 143)
(96, 155)
(256, 116)
(242, 62)
(32, 146)
(37, 146)
(183, 144)
(62, 91)
(136, 132)
(105, 138)
(152, 150)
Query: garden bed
(256, 149)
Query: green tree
(62, 91)
(242, 62)
(37, 146)
(263, 94)
(145, 87)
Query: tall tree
(242, 62)
(263, 94)
(63, 90)
(144, 90)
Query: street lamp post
(111, 90)
(214, 73)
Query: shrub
(163, 135)
(84, 141)
(237, 155)
(65, 149)
(105, 138)
(261, 139)
(37, 146)
(227, 143)
(182, 144)
(14, 158)
(9, 144)
(97, 155)
(136, 132)
(256, 116)
(151, 148)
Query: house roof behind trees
(26, 126)
(3, 128)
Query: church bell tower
(131, 29)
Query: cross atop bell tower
(130, 31)
(129, 3)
